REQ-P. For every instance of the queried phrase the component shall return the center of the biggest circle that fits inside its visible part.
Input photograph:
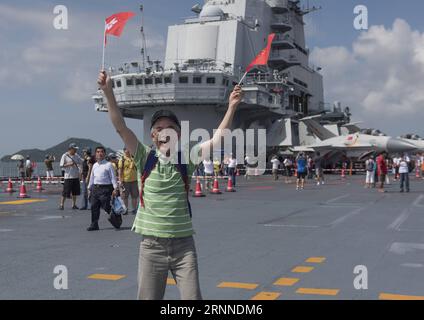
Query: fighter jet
(415, 140)
(355, 145)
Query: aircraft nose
(395, 145)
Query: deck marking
(338, 198)
(24, 201)
(349, 215)
(266, 296)
(418, 200)
(238, 285)
(403, 247)
(319, 292)
(395, 225)
(315, 260)
(110, 277)
(302, 269)
(290, 226)
(6, 230)
(390, 296)
(286, 282)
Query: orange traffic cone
(22, 192)
(10, 186)
(343, 173)
(215, 189)
(198, 192)
(39, 185)
(230, 185)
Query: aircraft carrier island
(207, 55)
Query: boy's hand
(104, 82)
(236, 96)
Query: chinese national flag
(262, 57)
(115, 23)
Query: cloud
(382, 74)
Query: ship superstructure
(206, 56)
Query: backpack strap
(148, 167)
(182, 169)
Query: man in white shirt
(232, 165)
(70, 163)
(287, 166)
(101, 188)
(275, 166)
(28, 168)
(404, 173)
(208, 169)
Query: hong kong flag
(262, 57)
(115, 23)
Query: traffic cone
(22, 192)
(10, 187)
(230, 185)
(198, 192)
(295, 172)
(39, 185)
(215, 189)
(343, 173)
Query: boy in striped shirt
(164, 217)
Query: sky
(47, 76)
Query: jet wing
(352, 127)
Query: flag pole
(104, 46)
(242, 78)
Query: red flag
(262, 57)
(115, 23)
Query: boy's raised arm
(128, 137)
(234, 101)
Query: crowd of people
(97, 178)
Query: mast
(143, 50)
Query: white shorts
(370, 177)
(50, 174)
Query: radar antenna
(143, 50)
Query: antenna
(143, 50)
(309, 9)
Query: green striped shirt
(165, 213)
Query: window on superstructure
(148, 81)
(168, 80)
(197, 80)
(183, 80)
(138, 81)
(210, 80)
(158, 80)
(118, 83)
(130, 82)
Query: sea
(10, 169)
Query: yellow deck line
(320, 292)
(302, 269)
(266, 296)
(390, 296)
(23, 201)
(171, 282)
(110, 277)
(238, 285)
(315, 260)
(286, 282)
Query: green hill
(57, 150)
